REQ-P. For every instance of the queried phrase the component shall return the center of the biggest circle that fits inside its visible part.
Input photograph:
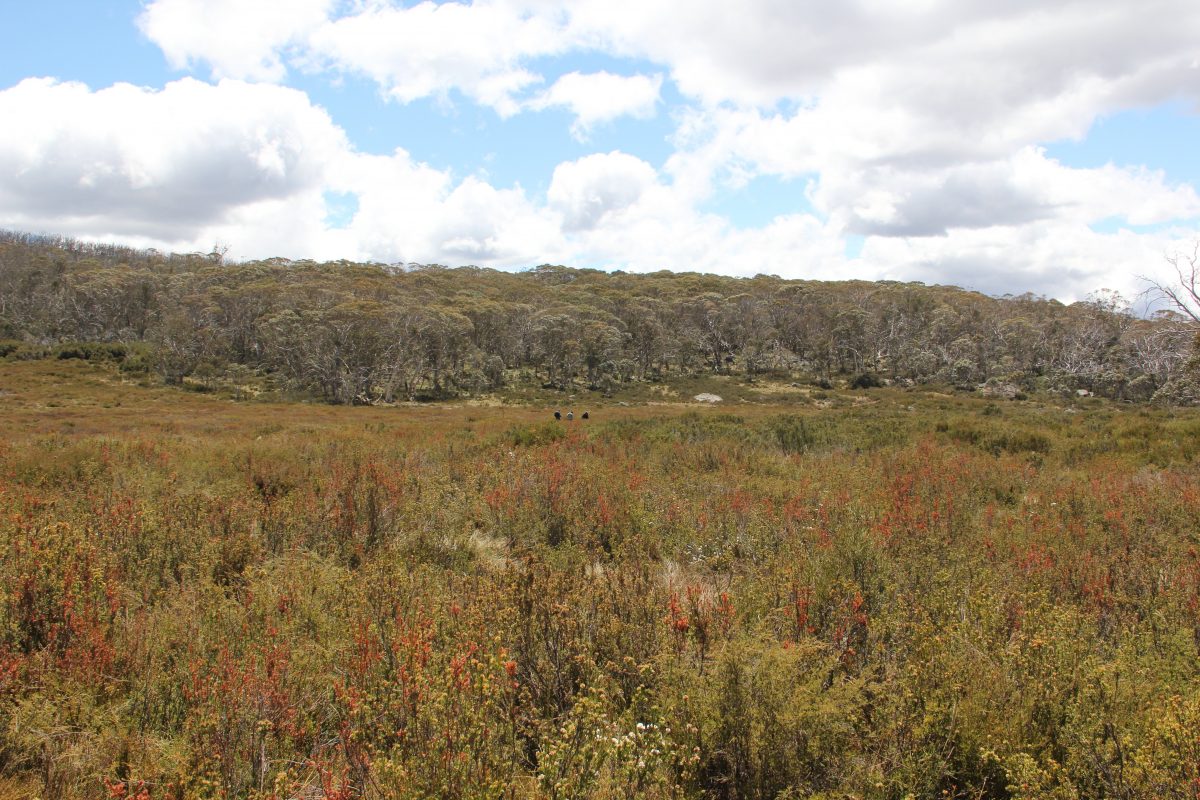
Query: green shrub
(535, 435)
(92, 351)
(866, 380)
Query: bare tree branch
(1184, 294)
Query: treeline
(362, 333)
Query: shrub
(866, 380)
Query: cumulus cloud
(244, 164)
(250, 165)
(1002, 72)
(617, 211)
(236, 38)
(586, 191)
(601, 96)
(155, 163)
(406, 211)
(920, 127)
(483, 225)
(1027, 187)
(951, 57)
(915, 121)
(427, 49)
(1056, 259)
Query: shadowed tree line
(362, 333)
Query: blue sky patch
(340, 208)
(1165, 137)
(760, 200)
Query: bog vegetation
(880, 594)
(832, 589)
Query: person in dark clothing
(585, 415)
(558, 415)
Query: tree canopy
(360, 333)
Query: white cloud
(895, 200)
(143, 168)
(618, 212)
(237, 38)
(586, 191)
(918, 125)
(940, 81)
(915, 120)
(424, 50)
(1058, 259)
(429, 49)
(480, 224)
(244, 164)
(1134, 194)
(669, 236)
(1000, 71)
(154, 163)
(601, 96)
(967, 55)
(248, 166)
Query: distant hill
(358, 333)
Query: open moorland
(877, 594)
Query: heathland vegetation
(832, 592)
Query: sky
(1036, 146)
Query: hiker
(558, 415)
(585, 415)
(570, 416)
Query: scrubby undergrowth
(917, 595)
